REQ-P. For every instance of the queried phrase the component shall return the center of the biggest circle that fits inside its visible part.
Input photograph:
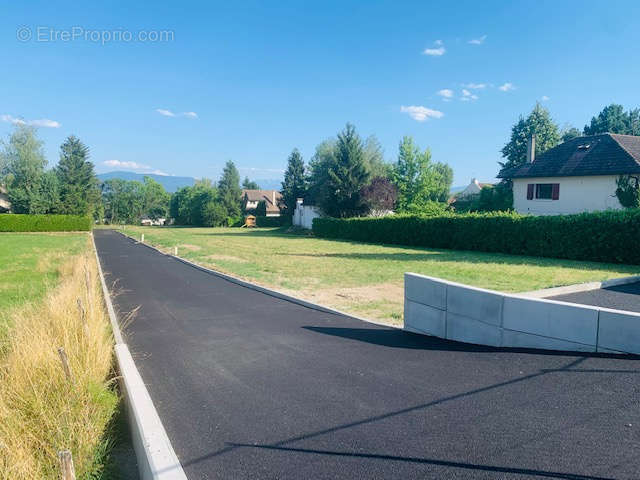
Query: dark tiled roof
(605, 154)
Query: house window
(543, 191)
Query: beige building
(272, 199)
(5, 204)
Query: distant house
(5, 204)
(148, 222)
(271, 198)
(468, 195)
(578, 175)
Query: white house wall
(577, 195)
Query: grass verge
(360, 278)
(41, 411)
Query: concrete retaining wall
(485, 317)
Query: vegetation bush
(609, 236)
(282, 221)
(41, 411)
(44, 223)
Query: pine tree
(294, 185)
(76, 179)
(229, 190)
(347, 174)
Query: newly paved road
(250, 386)
(622, 297)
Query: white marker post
(142, 238)
(175, 251)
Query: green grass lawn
(29, 264)
(364, 279)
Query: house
(5, 204)
(577, 176)
(470, 192)
(271, 198)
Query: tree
(261, 209)
(156, 199)
(418, 180)
(123, 200)
(24, 165)
(347, 174)
(613, 119)
(294, 185)
(374, 158)
(379, 196)
(569, 133)
(250, 184)
(229, 190)
(79, 193)
(538, 122)
(318, 172)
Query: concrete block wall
(474, 315)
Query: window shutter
(530, 191)
(555, 191)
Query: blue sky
(249, 81)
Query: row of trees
(209, 205)
(348, 176)
(69, 188)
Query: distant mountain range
(172, 184)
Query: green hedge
(610, 236)
(282, 221)
(11, 222)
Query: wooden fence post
(66, 465)
(83, 318)
(87, 280)
(65, 363)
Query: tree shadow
(473, 257)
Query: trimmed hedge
(282, 221)
(11, 222)
(610, 236)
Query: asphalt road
(251, 386)
(622, 297)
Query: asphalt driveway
(251, 386)
(621, 297)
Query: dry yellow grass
(41, 412)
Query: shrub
(282, 221)
(44, 223)
(609, 236)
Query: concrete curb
(259, 288)
(580, 287)
(156, 458)
(485, 317)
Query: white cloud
(260, 170)
(165, 113)
(475, 86)
(435, 52)
(446, 94)
(42, 122)
(478, 41)
(507, 87)
(420, 113)
(545, 98)
(140, 167)
(168, 113)
(467, 95)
